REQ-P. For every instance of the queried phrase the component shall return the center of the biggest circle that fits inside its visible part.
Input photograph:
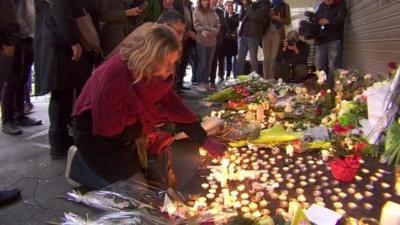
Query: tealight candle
(265, 212)
(303, 183)
(324, 178)
(321, 204)
(263, 203)
(364, 170)
(342, 195)
(205, 185)
(299, 191)
(274, 195)
(282, 197)
(301, 198)
(240, 187)
(368, 206)
(234, 193)
(334, 198)
(341, 212)
(327, 191)
(373, 179)
(352, 205)
(358, 178)
(369, 186)
(284, 204)
(385, 185)
(244, 196)
(245, 202)
(337, 190)
(368, 194)
(302, 177)
(256, 214)
(305, 205)
(379, 175)
(214, 186)
(317, 193)
(237, 205)
(290, 185)
(248, 215)
(358, 196)
(253, 206)
(210, 196)
(337, 204)
(245, 209)
(311, 180)
(212, 191)
(387, 195)
(319, 199)
(351, 190)
(285, 168)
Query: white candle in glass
(390, 214)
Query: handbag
(230, 35)
(89, 37)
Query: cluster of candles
(247, 179)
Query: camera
(310, 28)
(291, 42)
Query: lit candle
(210, 196)
(244, 196)
(301, 198)
(289, 150)
(245, 202)
(245, 209)
(205, 185)
(263, 203)
(390, 214)
(240, 187)
(256, 214)
(202, 152)
(253, 206)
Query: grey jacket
(206, 21)
(255, 19)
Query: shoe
(200, 88)
(194, 83)
(10, 128)
(55, 155)
(9, 196)
(183, 88)
(27, 121)
(71, 154)
(28, 107)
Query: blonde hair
(144, 52)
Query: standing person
(328, 55)
(280, 16)
(189, 43)
(62, 66)
(255, 18)
(126, 98)
(13, 93)
(206, 24)
(218, 59)
(119, 18)
(229, 43)
(8, 30)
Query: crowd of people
(125, 91)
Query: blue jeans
(328, 58)
(230, 65)
(205, 56)
(247, 44)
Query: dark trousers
(13, 93)
(230, 65)
(187, 51)
(299, 73)
(60, 109)
(218, 61)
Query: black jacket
(336, 14)
(55, 33)
(229, 45)
(255, 19)
(8, 24)
(290, 57)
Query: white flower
(367, 76)
(321, 76)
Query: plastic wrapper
(275, 135)
(103, 200)
(141, 217)
(392, 143)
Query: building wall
(372, 35)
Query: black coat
(55, 34)
(230, 45)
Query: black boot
(9, 196)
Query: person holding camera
(280, 16)
(331, 16)
(254, 18)
(291, 62)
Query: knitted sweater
(115, 101)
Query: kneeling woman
(125, 98)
